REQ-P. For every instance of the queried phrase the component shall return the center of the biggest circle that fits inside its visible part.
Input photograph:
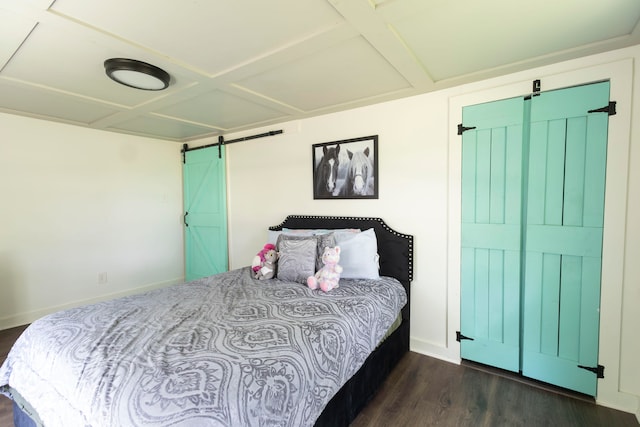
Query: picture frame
(346, 169)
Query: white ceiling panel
(162, 128)
(221, 110)
(350, 71)
(241, 64)
(204, 34)
(47, 104)
(71, 59)
(459, 37)
(14, 29)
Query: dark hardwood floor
(7, 338)
(423, 391)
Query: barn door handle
(184, 219)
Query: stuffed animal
(268, 269)
(328, 277)
(258, 260)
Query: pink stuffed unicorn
(259, 259)
(328, 277)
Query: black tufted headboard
(395, 249)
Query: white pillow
(358, 254)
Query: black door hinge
(460, 337)
(463, 128)
(599, 370)
(537, 85)
(609, 109)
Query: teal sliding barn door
(205, 217)
(491, 233)
(565, 213)
(533, 180)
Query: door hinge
(609, 109)
(599, 370)
(537, 85)
(460, 337)
(463, 128)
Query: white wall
(418, 177)
(76, 202)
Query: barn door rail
(222, 142)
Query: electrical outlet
(102, 278)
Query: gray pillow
(297, 260)
(322, 241)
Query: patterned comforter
(226, 350)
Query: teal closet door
(205, 206)
(491, 229)
(564, 224)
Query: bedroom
(81, 202)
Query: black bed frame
(396, 260)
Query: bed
(227, 349)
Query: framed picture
(346, 169)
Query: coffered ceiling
(241, 64)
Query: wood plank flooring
(423, 391)
(7, 338)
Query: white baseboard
(433, 350)
(25, 318)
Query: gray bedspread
(227, 350)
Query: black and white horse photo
(346, 169)
(359, 180)
(326, 173)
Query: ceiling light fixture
(136, 74)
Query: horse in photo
(359, 180)
(327, 171)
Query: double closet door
(533, 181)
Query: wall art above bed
(346, 169)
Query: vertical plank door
(205, 229)
(491, 233)
(563, 240)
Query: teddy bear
(328, 277)
(258, 260)
(268, 269)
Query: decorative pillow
(322, 241)
(297, 259)
(273, 235)
(358, 254)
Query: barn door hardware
(460, 337)
(184, 219)
(222, 142)
(598, 370)
(462, 129)
(609, 109)
(185, 148)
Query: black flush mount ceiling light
(136, 74)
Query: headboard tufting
(395, 249)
